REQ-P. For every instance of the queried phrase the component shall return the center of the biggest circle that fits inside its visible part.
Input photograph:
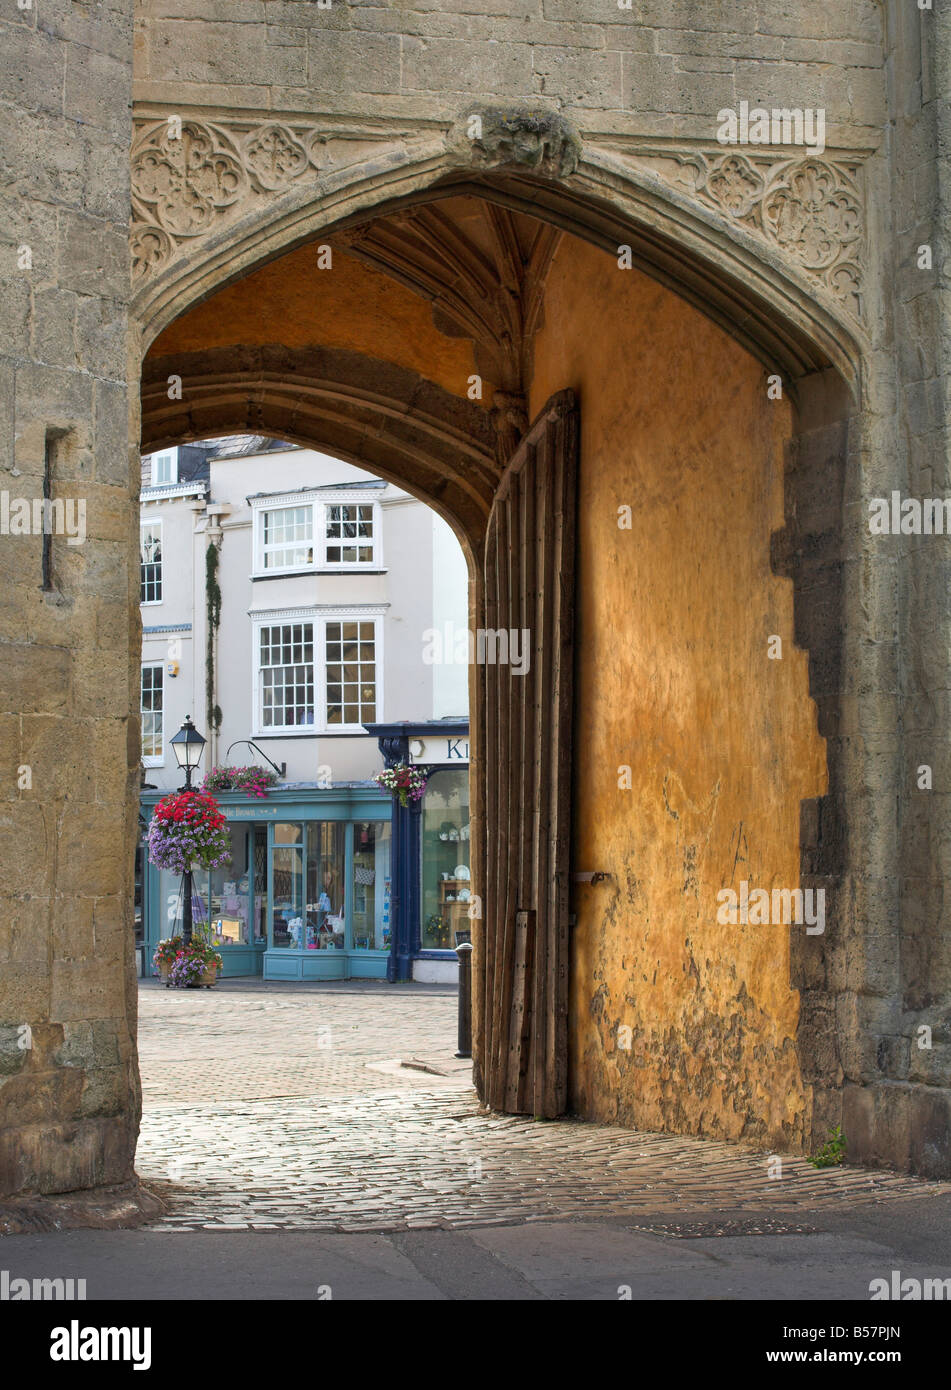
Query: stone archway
(770, 247)
(440, 259)
(369, 412)
(808, 260)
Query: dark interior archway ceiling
(479, 248)
(482, 267)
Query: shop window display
(445, 844)
(371, 885)
(221, 899)
(229, 894)
(324, 927)
(260, 883)
(287, 886)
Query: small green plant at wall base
(832, 1152)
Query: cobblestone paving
(287, 1108)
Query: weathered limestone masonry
(896, 1097)
(69, 1091)
(300, 124)
(643, 89)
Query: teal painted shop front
(307, 895)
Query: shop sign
(439, 750)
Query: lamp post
(188, 745)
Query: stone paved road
(286, 1108)
(244, 1041)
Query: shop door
(526, 719)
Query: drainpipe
(198, 613)
(214, 511)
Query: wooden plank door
(525, 720)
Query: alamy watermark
(43, 516)
(909, 1290)
(782, 907)
(76, 1343)
(487, 646)
(17, 1290)
(909, 516)
(779, 126)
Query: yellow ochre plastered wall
(292, 302)
(677, 1022)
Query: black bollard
(464, 952)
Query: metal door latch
(592, 876)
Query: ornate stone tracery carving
(810, 214)
(181, 180)
(808, 207)
(150, 248)
(274, 157)
(736, 186)
(184, 180)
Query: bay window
(318, 673)
(291, 534)
(287, 538)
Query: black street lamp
(188, 745)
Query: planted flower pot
(165, 956)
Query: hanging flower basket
(188, 831)
(254, 780)
(404, 781)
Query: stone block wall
(69, 632)
(660, 67)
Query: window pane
(350, 671)
(287, 886)
(288, 537)
(446, 886)
(150, 707)
(371, 885)
(287, 675)
(150, 562)
(325, 886)
(260, 883)
(164, 468)
(349, 522)
(230, 903)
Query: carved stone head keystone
(530, 137)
